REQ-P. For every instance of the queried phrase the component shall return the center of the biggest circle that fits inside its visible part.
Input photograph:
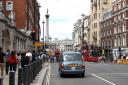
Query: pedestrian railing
(122, 61)
(30, 72)
(27, 74)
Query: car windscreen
(72, 57)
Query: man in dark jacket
(2, 54)
(23, 62)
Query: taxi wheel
(82, 75)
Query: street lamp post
(43, 35)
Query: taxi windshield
(72, 57)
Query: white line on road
(110, 73)
(103, 79)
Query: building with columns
(62, 45)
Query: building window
(115, 43)
(95, 25)
(124, 15)
(99, 15)
(115, 30)
(124, 27)
(119, 28)
(123, 3)
(99, 4)
(123, 41)
(110, 22)
(119, 6)
(105, 1)
(115, 18)
(95, 16)
(115, 8)
(119, 17)
(110, 32)
(104, 33)
(107, 33)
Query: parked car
(71, 63)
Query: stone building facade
(97, 9)
(114, 26)
(19, 24)
(62, 45)
(12, 38)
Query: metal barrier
(28, 73)
(1, 81)
(12, 78)
(122, 61)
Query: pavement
(6, 79)
(38, 80)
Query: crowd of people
(54, 56)
(10, 60)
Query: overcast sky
(63, 15)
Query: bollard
(25, 75)
(29, 75)
(20, 76)
(1, 81)
(12, 78)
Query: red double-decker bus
(91, 55)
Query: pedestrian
(7, 61)
(13, 61)
(2, 54)
(28, 57)
(34, 55)
(104, 58)
(19, 58)
(23, 59)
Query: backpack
(13, 59)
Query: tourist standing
(13, 61)
(7, 61)
(2, 54)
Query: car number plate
(73, 68)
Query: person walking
(7, 61)
(13, 61)
(28, 57)
(34, 55)
(23, 59)
(2, 54)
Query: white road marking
(104, 79)
(110, 73)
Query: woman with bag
(13, 61)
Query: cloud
(63, 15)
